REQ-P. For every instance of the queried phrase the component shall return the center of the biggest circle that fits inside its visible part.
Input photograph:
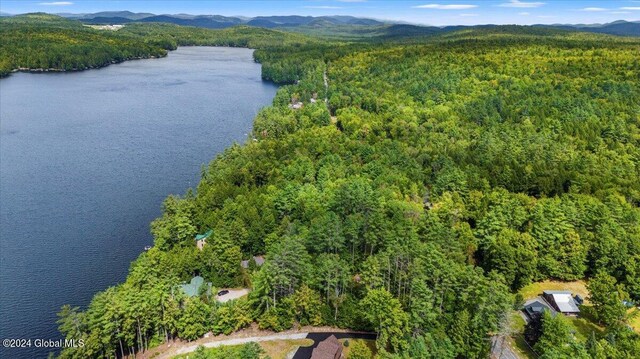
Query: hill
(625, 28)
(332, 26)
(621, 27)
(44, 42)
(416, 202)
(336, 27)
(109, 14)
(445, 172)
(218, 21)
(210, 22)
(205, 21)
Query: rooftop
(329, 348)
(191, 289)
(563, 301)
(258, 259)
(204, 236)
(556, 292)
(536, 307)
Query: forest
(48, 42)
(442, 176)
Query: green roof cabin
(201, 239)
(193, 288)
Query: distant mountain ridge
(110, 14)
(620, 27)
(337, 23)
(219, 21)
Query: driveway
(500, 348)
(238, 341)
(247, 335)
(233, 294)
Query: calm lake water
(86, 159)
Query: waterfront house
(193, 288)
(296, 105)
(201, 239)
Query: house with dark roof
(536, 307)
(201, 239)
(329, 348)
(259, 260)
(561, 301)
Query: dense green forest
(49, 42)
(40, 41)
(442, 175)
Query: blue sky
(429, 12)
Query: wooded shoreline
(114, 62)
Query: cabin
(329, 348)
(296, 105)
(259, 260)
(561, 301)
(192, 289)
(535, 308)
(201, 239)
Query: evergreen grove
(442, 175)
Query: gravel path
(500, 349)
(238, 341)
(251, 334)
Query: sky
(428, 12)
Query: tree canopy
(441, 175)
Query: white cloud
(524, 13)
(547, 16)
(56, 3)
(620, 12)
(469, 15)
(593, 9)
(521, 4)
(325, 7)
(636, 8)
(445, 7)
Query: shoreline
(56, 70)
(246, 56)
(112, 62)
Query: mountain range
(341, 26)
(620, 27)
(219, 21)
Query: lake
(86, 159)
